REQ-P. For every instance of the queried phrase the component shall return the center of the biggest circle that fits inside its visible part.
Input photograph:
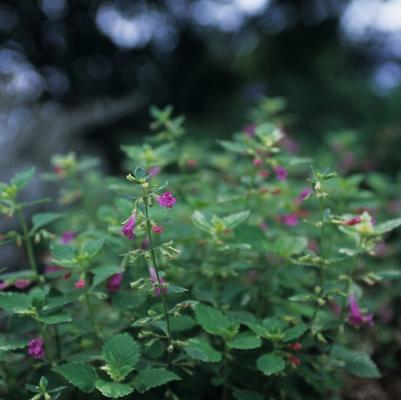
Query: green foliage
(200, 349)
(270, 364)
(153, 377)
(81, 375)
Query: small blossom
(157, 229)
(67, 237)
(49, 269)
(257, 162)
(153, 278)
(290, 219)
(295, 346)
(191, 163)
(166, 200)
(80, 283)
(36, 348)
(356, 317)
(129, 226)
(352, 221)
(304, 195)
(294, 361)
(152, 171)
(264, 173)
(145, 244)
(22, 283)
(281, 173)
(114, 282)
(3, 285)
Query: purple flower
(49, 269)
(152, 171)
(166, 200)
(114, 282)
(129, 225)
(356, 317)
(67, 237)
(36, 348)
(281, 173)
(304, 195)
(22, 283)
(153, 278)
(249, 130)
(290, 219)
(3, 285)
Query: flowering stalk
(159, 282)
(28, 242)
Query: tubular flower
(352, 221)
(281, 173)
(22, 283)
(114, 282)
(157, 229)
(153, 278)
(166, 200)
(80, 283)
(129, 226)
(290, 219)
(356, 317)
(304, 195)
(67, 237)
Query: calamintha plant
(246, 272)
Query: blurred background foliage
(81, 74)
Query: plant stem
(91, 316)
(152, 252)
(58, 344)
(28, 242)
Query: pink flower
(157, 229)
(352, 221)
(294, 361)
(281, 173)
(356, 318)
(264, 173)
(191, 163)
(295, 346)
(36, 348)
(166, 200)
(67, 237)
(153, 171)
(22, 283)
(257, 162)
(80, 283)
(304, 195)
(153, 278)
(3, 285)
(49, 269)
(129, 226)
(290, 219)
(114, 282)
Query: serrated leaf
(153, 377)
(82, 376)
(91, 248)
(245, 341)
(64, 255)
(42, 219)
(104, 272)
(200, 349)
(12, 344)
(113, 390)
(139, 173)
(387, 226)
(357, 363)
(212, 320)
(295, 332)
(246, 395)
(201, 222)
(121, 354)
(232, 146)
(270, 364)
(22, 178)
(15, 302)
(288, 245)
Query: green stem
(28, 242)
(91, 316)
(58, 343)
(152, 252)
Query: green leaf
(212, 320)
(22, 178)
(82, 376)
(357, 363)
(140, 173)
(153, 377)
(201, 222)
(270, 364)
(121, 354)
(288, 245)
(42, 219)
(63, 255)
(232, 220)
(295, 332)
(246, 395)
(232, 146)
(15, 302)
(55, 318)
(183, 323)
(12, 344)
(200, 349)
(245, 341)
(387, 226)
(91, 248)
(113, 390)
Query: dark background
(81, 74)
